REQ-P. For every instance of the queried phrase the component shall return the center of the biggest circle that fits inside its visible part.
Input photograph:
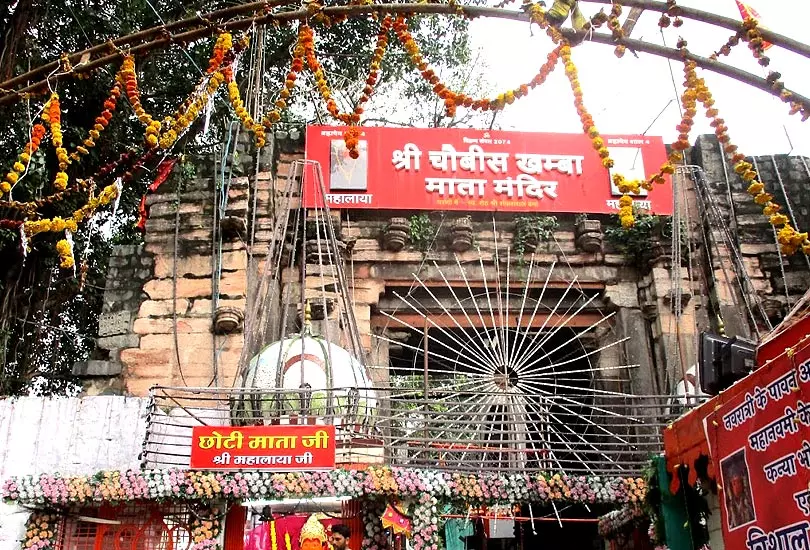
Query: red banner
(478, 170)
(760, 444)
(273, 447)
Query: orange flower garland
(453, 99)
(376, 61)
(789, 239)
(307, 44)
(625, 186)
(21, 165)
(223, 44)
(101, 123)
(53, 116)
(296, 66)
(130, 81)
(241, 112)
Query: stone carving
(588, 234)
(462, 234)
(111, 324)
(396, 234)
(228, 320)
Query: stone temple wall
(160, 311)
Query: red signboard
(273, 447)
(760, 444)
(478, 170)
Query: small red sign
(274, 447)
(479, 170)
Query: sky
(626, 95)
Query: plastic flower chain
(41, 531)
(52, 115)
(453, 99)
(205, 530)
(619, 520)
(21, 165)
(296, 66)
(184, 485)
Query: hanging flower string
(352, 135)
(236, 101)
(452, 99)
(101, 122)
(202, 486)
(296, 66)
(21, 165)
(65, 251)
(789, 239)
(223, 44)
(625, 186)
(52, 115)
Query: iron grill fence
(584, 434)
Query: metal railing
(576, 433)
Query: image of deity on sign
(737, 490)
(346, 173)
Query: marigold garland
(625, 186)
(452, 99)
(52, 115)
(101, 122)
(352, 134)
(239, 107)
(789, 239)
(296, 66)
(23, 160)
(223, 44)
(65, 251)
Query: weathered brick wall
(774, 282)
(173, 276)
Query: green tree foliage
(48, 316)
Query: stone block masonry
(758, 278)
(162, 297)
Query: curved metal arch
(437, 9)
(210, 20)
